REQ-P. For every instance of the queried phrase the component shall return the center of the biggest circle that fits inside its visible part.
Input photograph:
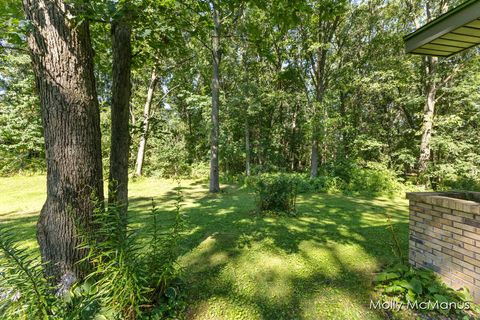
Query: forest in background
(320, 88)
(270, 101)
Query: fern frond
(22, 280)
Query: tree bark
(293, 139)
(247, 146)
(314, 159)
(325, 29)
(120, 135)
(428, 115)
(216, 56)
(320, 83)
(431, 88)
(62, 59)
(145, 127)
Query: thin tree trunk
(146, 117)
(320, 89)
(216, 56)
(324, 155)
(314, 159)
(247, 146)
(326, 30)
(62, 59)
(293, 139)
(343, 127)
(428, 115)
(121, 91)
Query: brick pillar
(445, 236)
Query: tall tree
(320, 30)
(121, 91)
(216, 56)
(62, 59)
(146, 123)
(428, 113)
(222, 16)
(433, 82)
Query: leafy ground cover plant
(405, 289)
(422, 291)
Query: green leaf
(394, 289)
(440, 298)
(416, 286)
(411, 296)
(171, 292)
(433, 289)
(404, 283)
(384, 276)
(464, 295)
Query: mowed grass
(241, 265)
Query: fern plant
(129, 280)
(114, 256)
(164, 271)
(24, 291)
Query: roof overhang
(451, 33)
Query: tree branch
(451, 76)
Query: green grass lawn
(240, 265)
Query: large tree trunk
(428, 115)
(216, 56)
(120, 135)
(62, 59)
(146, 117)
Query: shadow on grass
(245, 261)
(239, 264)
(23, 228)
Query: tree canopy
(303, 86)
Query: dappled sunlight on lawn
(241, 265)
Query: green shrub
(460, 183)
(199, 170)
(303, 183)
(276, 193)
(370, 179)
(167, 157)
(258, 169)
(23, 288)
(328, 184)
(374, 179)
(351, 178)
(250, 181)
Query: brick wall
(445, 236)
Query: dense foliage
(291, 96)
(370, 114)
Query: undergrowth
(127, 280)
